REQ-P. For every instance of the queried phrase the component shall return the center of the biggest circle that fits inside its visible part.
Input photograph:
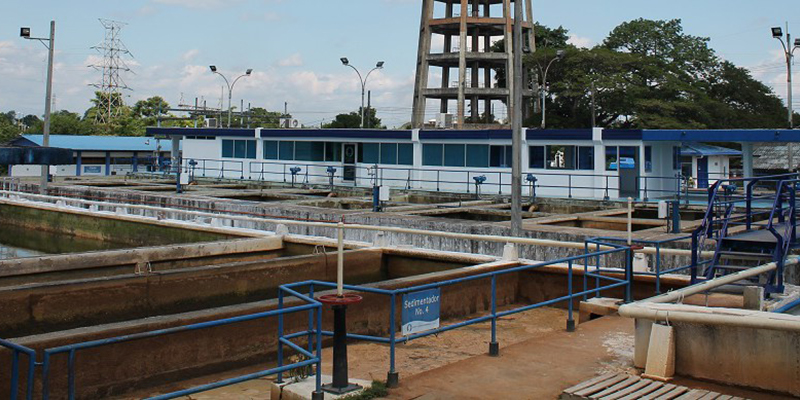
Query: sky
(294, 47)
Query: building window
(432, 155)
(586, 158)
(477, 155)
(286, 151)
(500, 156)
(611, 158)
(536, 157)
(239, 149)
(560, 157)
(389, 153)
(309, 151)
(369, 153)
(227, 149)
(270, 149)
(405, 154)
(454, 155)
(648, 158)
(333, 152)
(629, 157)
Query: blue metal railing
(658, 270)
(16, 352)
(761, 199)
(576, 184)
(610, 282)
(312, 306)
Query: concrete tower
(467, 29)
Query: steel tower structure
(470, 71)
(112, 84)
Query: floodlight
(25, 32)
(345, 61)
(379, 65)
(213, 68)
(777, 32)
(249, 71)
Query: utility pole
(516, 127)
(788, 50)
(25, 33)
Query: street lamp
(49, 43)
(559, 56)
(230, 86)
(363, 81)
(777, 33)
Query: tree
(650, 74)
(353, 120)
(150, 107)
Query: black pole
(340, 382)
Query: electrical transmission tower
(113, 50)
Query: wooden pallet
(629, 387)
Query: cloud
(198, 4)
(579, 41)
(294, 60)
(190, 55)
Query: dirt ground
(371, 361)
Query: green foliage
(650, 74)
(353, 120)
(377, 390)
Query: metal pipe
(702, 315)
(721, 281)
(340, 259)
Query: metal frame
(777, 191)
(312, 306)
(314, 286)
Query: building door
(349, 162)
(702, 173)
(628, 168)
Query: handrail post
(71, 375)
(500, 183)
(393, 377)
(437, 179)
(318, 393)
(695, 257)
(606, 196)
(279, 379)
(570, 320)
(14, 373)
(629, 274)
(570, 185)
(658, 268)
(311, 321)
(494, 346)
(46, 376)
(585, 270)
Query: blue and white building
(587, 163)
(99, 155)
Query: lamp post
(788, 51)
(363, 81)
(230, 87)
(49, 43)
(559, 57)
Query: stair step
(744, 254)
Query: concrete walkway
(539, 368)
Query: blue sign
(91, 169)
(421, 311)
